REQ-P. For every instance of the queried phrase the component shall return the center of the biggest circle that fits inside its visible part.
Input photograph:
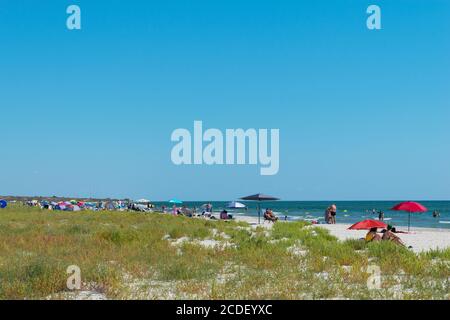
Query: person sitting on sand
(388, 235)
(372, 235)
(225, 216)
(268, 215)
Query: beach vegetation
(124, 255)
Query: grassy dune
(154, 256)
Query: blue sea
(349, 212)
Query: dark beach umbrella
(259, 197)
(410, 207)
(3, 204)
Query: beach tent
(410, 207)
(3, 204)
(73, 208)
(259, 197)
(110, 206)
(236, 205)
(60, 207)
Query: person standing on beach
(327, 216)
(333, 213)
(330, 214)
(381, 215)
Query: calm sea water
(348, 211)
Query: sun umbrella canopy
(3, 204)
(175, 201)
(236, 205)
(260, 197)
(368, 224)
(410, 206)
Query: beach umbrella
(410, 207)
(259, 197)
(175, 201)
(3, 204)
(368, 224)
(236, 205)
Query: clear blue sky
(362, 114)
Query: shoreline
(420, 239)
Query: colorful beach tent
(110, 206)
(259, 197)
(236, 205)
(410, 207)
(368, 224)
(3, 204)
(72, 208)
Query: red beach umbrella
(368, 224)
(410, 207)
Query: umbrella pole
(409, 222)
(259, 214)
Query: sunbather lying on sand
(394, 230)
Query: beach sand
(420, 239)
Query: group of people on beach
(205, 212)
(388, 234)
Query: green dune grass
(154, 256)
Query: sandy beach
(420, 239)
